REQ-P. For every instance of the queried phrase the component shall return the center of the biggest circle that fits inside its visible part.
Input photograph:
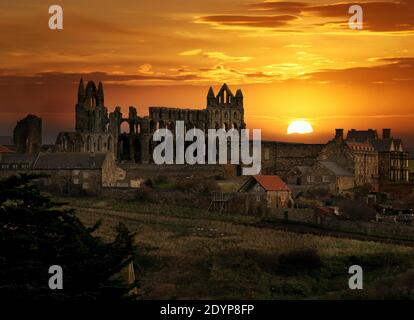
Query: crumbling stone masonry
(98, 131)
(27, 135)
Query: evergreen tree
(36, 233)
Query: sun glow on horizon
(300, 126)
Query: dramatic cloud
(224, 57)
(46, 78)
(191, 52)
(274, 21)
(394, 70)
(380, 16)
(288, 7)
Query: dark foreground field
(192, 254)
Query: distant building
(278, 158)
(364, 162)
(392, 157)
(27, 135)
(129, 137)
(82, 171)
(276, 191)
(327, 175)
(297, 175)
(68, 172)
(16, 162)
(358, 158)
(91, 124)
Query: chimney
(386, 133)
(339, 134)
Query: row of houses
(67, 172)
(362, 158)
(88, 173)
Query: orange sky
(293, 60)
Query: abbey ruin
(99, 131)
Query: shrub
(197, 185)
(363, 190)
(357, 210)
(148, 182)
(160, 179)
(143, 194)
(298, 261)
(318, 193)
(36, 232)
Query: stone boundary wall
(143, 171)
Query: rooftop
(4, 149)
(382, 145)
(269, 183)
(362, 135)
(71, 160)
(336, 168)
(17, 158)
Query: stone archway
(137, 150)
(124, 127)
(123, 147)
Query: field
(187, 253)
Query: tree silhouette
(36, 233)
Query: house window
(325, 179)
(311, 179)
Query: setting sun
(300, 126)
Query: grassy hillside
(193, 254)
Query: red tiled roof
(272, 183)
(4, 149)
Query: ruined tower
(225, 109)
(91, 114)
(92, 131)
(27, 135)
